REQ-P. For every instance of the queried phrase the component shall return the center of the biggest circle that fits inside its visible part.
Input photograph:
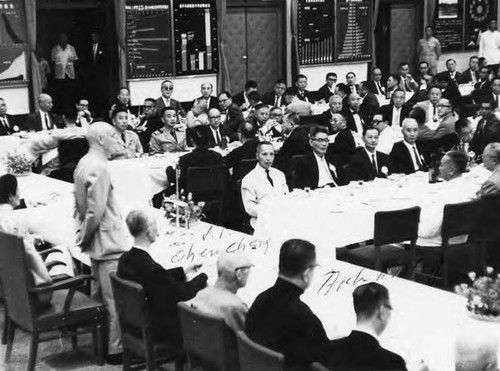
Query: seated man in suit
(294, 104)
(317, 169)
(487, 129)
(367, 163)
(361, 350)
(471, 74)
(249, 140)
(447, 118)
(350, 79)
(276, 98)
(342, 142)
(231, 115)
(356, 119)
(296, 141)
(8, 124)
(370, 104)
(262, 181)
(378, 85)
(491, 160)
(406, 156)
(163, 288)
(130, 142)
(217, 136)
(430, 106)
(166, 100)
(266, 126)
(302, 93)
(328, 89)
(279, 320)
(395, 112)
(43, 119)
(393, 82)
(241, 99)
(451, 74)
(407, 82)
(171, 137)
(206, 94)
(387, 136)
(220, 299)
(484, 82)
(335, 104)
(149, 123)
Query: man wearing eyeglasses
(279, 320)
(166, 100)
(231, 115)
(217, 137)
(220, 299)
(328, 89)
(316, 169)
(447, 118)
(361, 350)
(149, 122)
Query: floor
(52, 355)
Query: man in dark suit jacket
(487, 129)
(355, 118)
(361, 350)
(335, 104)
(328, 89)
(148, 124)
(471, 74)
(241, 99)
(350, 79)
(217, 136)
(165, 100)
(206, 94)
(43, 119)
(367, 163)
(279, 320)
(276, 98)
(343, 145)
(370, 104)
(246, 151)
(451, 75)
(302, 93)
(407, 156)
(317, 169)
(397, 104)
(378, 86)
(484, 82)
(232, 115)
(8, 124)
(163, 288)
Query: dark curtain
(30, 14)
(223, 75)
(120, 36)
(431, 8)
(376, 6)
(295, 40)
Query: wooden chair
(70, 312)
(391, 227)
(208, 341)
(135, 323)
(292, 173)
(209, 184)
(488, 233)
(318, 367)
(244, 168)
(257, 357)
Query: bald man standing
(99, 226)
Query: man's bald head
(102, 137)
(233, 269)
(45, 102)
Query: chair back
(206, 179)
(70, 151)
(208, 341)
(460, 219)
(294, 162)
(490, 218)
(257, 357)
(131, 305)
(245, 167)
(318, 367)
(396, 226)
(16, 281)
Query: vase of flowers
(17, 164)
(483, 295)
(183, 211)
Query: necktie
(374, 164)
(174, 135)
(434, 111)
(217, 135)
(480, 126)
(379, 87)
(94, 52)
(276, 101)
(5, 123)
(417, 157)
(496, 100)
(48, 124)
(123, 138)
(269, 177)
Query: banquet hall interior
(249, 185)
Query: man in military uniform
(131, 144)
(168, 138)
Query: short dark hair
(280, 81)
(461, 123)
(254, 95)
(451, 60)
(368, 297)
(119, 108)
(418, 113)
(343, 88)
(250, 84)
(263, 143)
(200, 135)
(260, 106)
(403, 64)
(332, 74)
(296, 256)
(123, 88)
(8, 187)
(315, 129)
(152, 100)
(165, 109)
(367, 85)
(423, 62)
(350, 73)
(247, 129)
(474, 57)
(488, 69)
(459, 159)
(301, 76)
(293, 117)
(367, 128)
(226, 92)
(291, 91)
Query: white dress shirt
(324, 175)
(255, 186)
(46, 125)
(166, 101)
(396, 116)
(357, 120)
(412, 154)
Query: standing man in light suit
(99, 225)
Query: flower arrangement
(183, 209)
(483, 294)
(17, 163)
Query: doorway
(254, 37)
(78, 19)
(399, 26)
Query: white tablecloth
(341, 216)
